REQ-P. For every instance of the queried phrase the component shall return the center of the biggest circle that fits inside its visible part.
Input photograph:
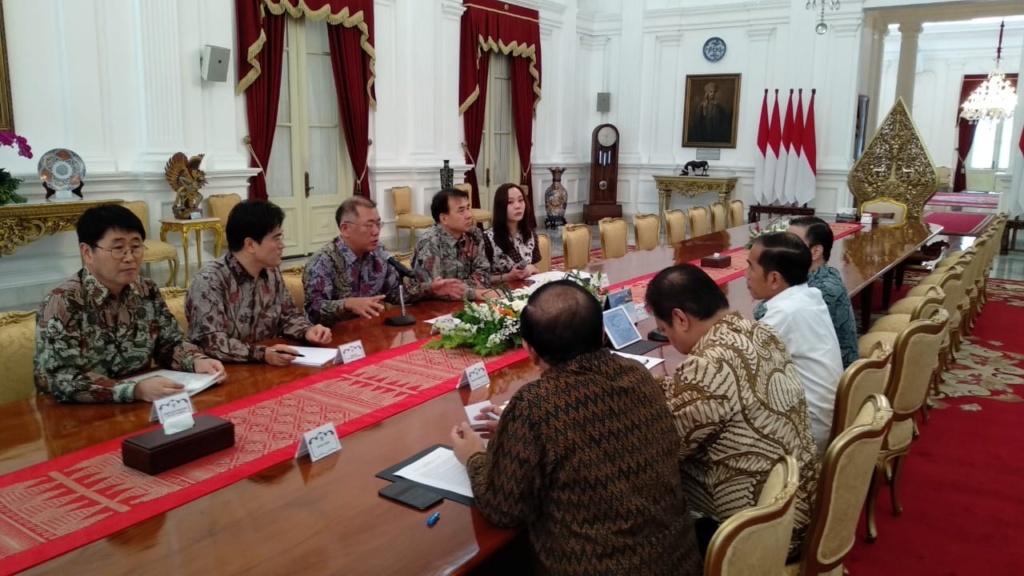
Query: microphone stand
(404, 319)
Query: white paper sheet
(439, 469)
(647, 361)
(553, 275)
(194, 383)
(314, 356)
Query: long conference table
(326, 517)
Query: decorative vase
(447, 176)
(555, 199)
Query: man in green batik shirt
(105, 322)
(453, 248)
(818, 236)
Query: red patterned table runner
(56, 506)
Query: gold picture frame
(711, 110)
(6, 104)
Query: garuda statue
(186, 179)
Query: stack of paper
(314, 356)
(439, 469)
(194, 383)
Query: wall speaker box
(604, 101)
(214, 63)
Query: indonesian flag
(762, 150)
(785, 196)
(795, 151)
(771, 157)
(807, 179)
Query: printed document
(439, 469)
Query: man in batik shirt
(737, 400)
(350, 277)
(453, 248)
(241, 299)
(106, 323)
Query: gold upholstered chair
(913, 367)
(17, 349)
(544, 247)
(576, 239)
(886, 206)
(293, 281)
(944, 179)
(867, 376)
(220, 207)
(404, 217)
(613, 237)
(675, 225)
(719, 217)
(175, 299)
(846, 473)
(480, 215)
(736, 210)
(646, 231)
(156, 250)
(698, 221)
(756, 540)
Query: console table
(21, 224)
(691, 187)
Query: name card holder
(351, 352)
(319, 442)
(474, 376)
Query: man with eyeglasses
(241, 298)
(350, 276)
(106, 322)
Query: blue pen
(433, 519)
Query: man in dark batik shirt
(350, 276)
(453, 248)
(106, 322)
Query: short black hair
(350, 207)
(688, 288)
(251, 219)
(561, 321)
(95, 222)
(439, 204)
(785, 253)
(819, 233)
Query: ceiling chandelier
(822, 28)
(995, 98)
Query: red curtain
(260, 49)
(353, 79)
(260, 25)
(488, 25)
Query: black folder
(389, 474)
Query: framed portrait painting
(711, 110)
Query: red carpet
(959, 223)
(963, 512)
(964, 200)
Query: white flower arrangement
(778, 225)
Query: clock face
(607, 136)
(714, 49)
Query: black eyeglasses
(120, 252)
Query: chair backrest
(17, 348)
(404, 257)
(861, 379)
(613, 237)
(928, 304)
(846, 473)
(221, 205)
(698, 221)
(646, 231)
(175, 299)
(465, 187)
(293, 281)
(719, 217)
(913, 362)
(544, 247)
(140, 209)
(736, 210)
(756, 540)
(576, 240)
(886, 206)
(402, 197)
(675, 225)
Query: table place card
(351, 352)
(605, 281)
(640, 312)
(174, 412)
(866, 219)
(319, 442)
(475, 376)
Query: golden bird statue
(186, 179)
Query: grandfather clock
(604, 173)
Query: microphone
(402, 270)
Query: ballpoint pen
(433, 519)
(299, 354)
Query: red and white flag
(771, 157)
(807, 180)
(795, 151)
(762, 150)
(784, 196)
